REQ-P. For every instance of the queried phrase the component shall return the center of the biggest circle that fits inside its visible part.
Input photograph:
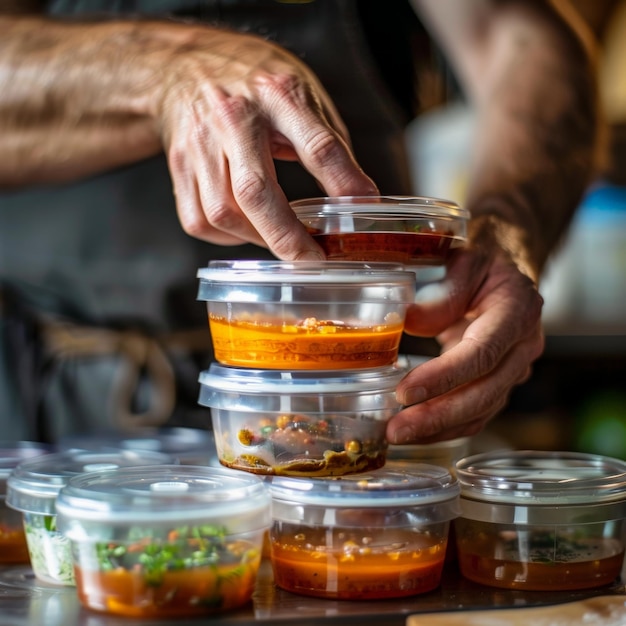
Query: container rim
(421, 485)
(162, 495)
(532, 477)
(275, 272)
(388, 206)
(223, 379)
(33, 486)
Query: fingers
(439, 304)
(462, 410)
(486, 351)
(205, 205)
(244, 137)
(310, 122)
(222, 152)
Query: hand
(487, 317)
(232, 103)
(221, 104)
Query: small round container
(13, 548)
(403, 229)
(300, 423)
(442, 453)
(165, 542)
(541, 520)
(381, 534)
(32, 489)
(304, 315)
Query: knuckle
(250, 189)
(282, 243)
(488, 355)
(321, 147)
(194, 226)
(220, 215)
(284, 84)
(228, 112)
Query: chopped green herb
(185, 547)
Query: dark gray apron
(99, 323)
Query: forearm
(79, 98)
(538, 134)
(67, 108)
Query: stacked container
(307, 363)
(304, 386)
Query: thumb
(440, 303)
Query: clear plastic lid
(530, 486)
(243, 281)
(383, 207)
(13, 453)
(34, 484)
(429, 492)
(219, 382)
(162, 496)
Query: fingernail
(415, 395)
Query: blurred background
(576, 399)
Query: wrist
(494, 228)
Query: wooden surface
(598, 611)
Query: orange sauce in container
(312, 344)
(378, 535)
(358, 568)
(13, 546)
(168, 541)
(181, 593)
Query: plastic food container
(304, 315)
(167, 541)
(300, 423)
(13, 548)
(401, 229)
(381, 534)
(442, 453)
(32, 489)
(541, 520)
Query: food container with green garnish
(306, 315)
(415, 231)
(165, 542)
(301, 423)
(376, 535)
(32, 489)
(13, 548)
(537, 520)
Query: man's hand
(487, 317)
(232, 104)
(80, 98)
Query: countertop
(25, 601)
